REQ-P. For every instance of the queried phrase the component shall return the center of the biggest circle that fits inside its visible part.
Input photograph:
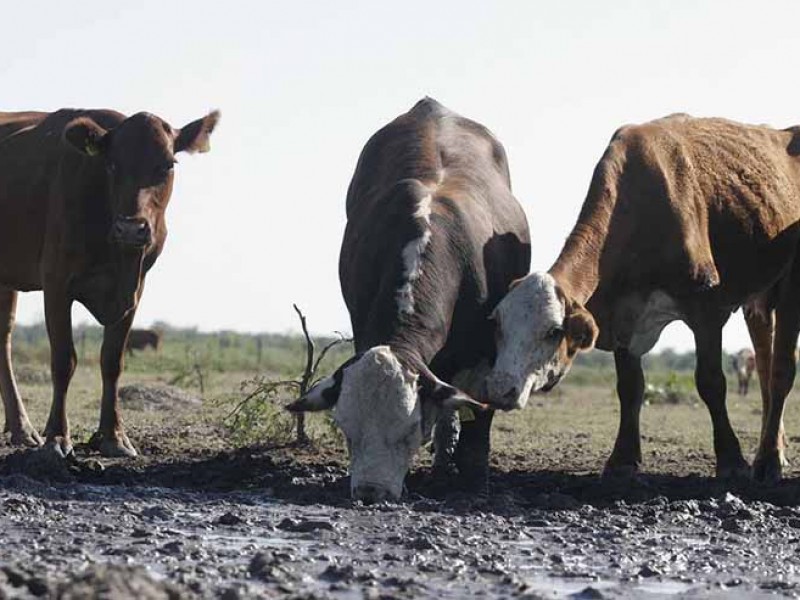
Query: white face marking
(379, 414)
(528, 321)
(412, 258)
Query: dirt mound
(156, 397)
(112, 581)
(45, 464)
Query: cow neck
(577, 268)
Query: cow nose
(131, 231)
(501, 390)
(369, 493)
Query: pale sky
(256, 224)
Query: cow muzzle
(131, 231)
(369, 493)
(502, 391)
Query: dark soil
(183, 521)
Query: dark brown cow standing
(83, 195)
(141, 339)
(434, 237)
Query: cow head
(139, 155)
(386, 411)
(538, 332)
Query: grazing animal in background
(434, 237)
(140, 339)
(744, 363)
(83, 195)
(685, 219)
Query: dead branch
(269, 387)
(308, 373)
(342, 339)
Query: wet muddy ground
(194, 517)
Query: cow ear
(581, 329)
(196, 136)
(434, 390)
(86, 136)
(320, 397)
(435, 396)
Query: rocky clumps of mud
(152, 397)
(553, 543)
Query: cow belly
(15, 277)
(659, 310)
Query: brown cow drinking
(83, 195)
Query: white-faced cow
(686, 219)
(433, 239)
(83, 195)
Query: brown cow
(82, 201)
(686, 219)
(140, 339)
(744, 363)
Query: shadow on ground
(309, 475)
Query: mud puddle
(259, 523)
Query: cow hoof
(768, 469)
(115, 445)
(26, 437)
(620, 472)
(59, 445)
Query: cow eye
(555, 333)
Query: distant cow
(686, 219)
(83, 195)
(744, 363)
(433, 239)
(140, 339)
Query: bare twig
(260, 389)
(271, 390)
(308, 373)
(330, 346)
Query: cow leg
(710, 380)
(762, 328)
(472, 452)
(770, 460)
(626, 457)
(57, 312)
(445, 441)
(17, 422)
(110, 438)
